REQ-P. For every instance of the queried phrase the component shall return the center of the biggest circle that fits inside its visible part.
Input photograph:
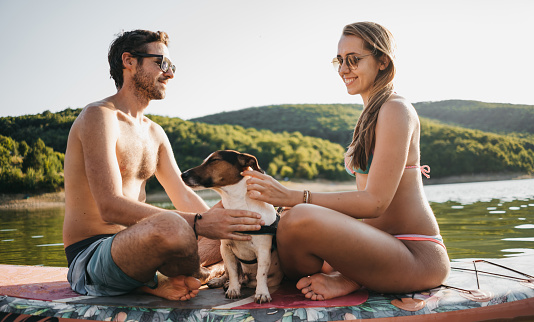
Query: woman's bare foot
(320, 287)
(179, 288)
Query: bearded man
(114, 241)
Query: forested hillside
(52, 128)
(31, 137)
(491, 117)
(29, 168)
(282, 154)
(294, 141)
(32, 151)
(333, 122)
(449, 149)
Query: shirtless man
(115, 242)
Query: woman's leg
(309, 235)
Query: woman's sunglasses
(351, 60)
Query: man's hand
(220, 223)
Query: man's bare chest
(137, 153)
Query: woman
(383, 236)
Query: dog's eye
(212, 160)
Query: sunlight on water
(32, 237)
(531, 239)
(466, 193)
(528, 226)
(481, 220)
(485, 219)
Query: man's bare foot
(179, 288)
(320, 287)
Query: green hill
(490, 117)
(295, 141)
(333, 122)
(450, 149)
(32, 149)
(29, 168)
(52, 128)
(281, 154)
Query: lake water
(480, 220)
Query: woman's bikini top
(425, 169)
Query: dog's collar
(265, 230)
(255, 260)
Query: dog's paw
(262, 298)
(202, 275)
(233, 293)
(217, 282)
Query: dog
(257, 258)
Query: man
(115, 242)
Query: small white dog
(258, 258)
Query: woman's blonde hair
(380, 42)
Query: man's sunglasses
(165, 63)
(351, 60)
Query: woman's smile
(349, 80)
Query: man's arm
(98, 134)
(169, 175)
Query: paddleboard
(492, 291)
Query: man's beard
(145, 87)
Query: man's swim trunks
(93, 272)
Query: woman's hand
(265, 188)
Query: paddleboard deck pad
(44, 291)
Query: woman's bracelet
(307, 196)
(197, 217)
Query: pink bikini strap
(425, 170)
(416, 238)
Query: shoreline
(15, 202)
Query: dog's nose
(186, 175)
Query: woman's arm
(394, 130)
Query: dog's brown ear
(248, 160)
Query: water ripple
(470, 192)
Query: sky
(235, 54)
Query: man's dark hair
(131, 41)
